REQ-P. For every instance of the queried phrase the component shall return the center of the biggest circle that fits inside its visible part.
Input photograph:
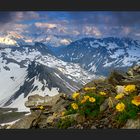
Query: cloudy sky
(73, 24)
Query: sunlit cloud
(45, 25)
(70, 25)
(91, 30)
(126, 30)
(65, 41)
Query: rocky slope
(20, 77)
(111, 102)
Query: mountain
(33, 69)
(100, 56)
(111, 102)
(12, 39)
(36, 68)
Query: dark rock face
(27, 122)
(6, 68)
(10, 114)
(41, 72)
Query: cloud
(107, 18)
(65, 41)
(126, 30)
(5, 17)
(72, 24)
(45, 25)
(19, 16)
(92, 30)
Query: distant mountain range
(99, 56)
(38, 68)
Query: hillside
(112, 102)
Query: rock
(80, 118)
(79, 126)
(26, 122)
(116, 77)
(130, 73)
(60, 105)
(120, 89)
(104, 105)
(35, 97)
(136, 69)
(36, 100)
(108, 103)
(93, 127)
(72, 127)
(77, 117)
(132, 124)
(50, 119)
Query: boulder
(132, 124)
(120, 89)
(104, 105)
(77, 117)
(26, 122)
(36, 100)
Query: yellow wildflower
(75, 95)
(83, 101)
(41, 107)
(89, 88)
(86, 88)
(136, 100)
(119, 96)
(86, 97)
(62, 113)
(92, 99)
(120, 107)
(102, 93)
(74, 106)
(130, 88)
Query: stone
(60, 105)
(50, 119)
(132, 124)
(77, 117)
(26, 122)
(36, 100)
(136, 68)
(104, 105)
(130, 73)
(93, 127)
(120, 89)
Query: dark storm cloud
(107, 18)
(6, 17)
(127, 18)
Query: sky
(96, 24)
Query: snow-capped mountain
(32, 69)
(11, 39)
(28, 69)
(100, 56)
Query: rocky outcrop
(46, 112)
(132, 124)
(27, 122)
